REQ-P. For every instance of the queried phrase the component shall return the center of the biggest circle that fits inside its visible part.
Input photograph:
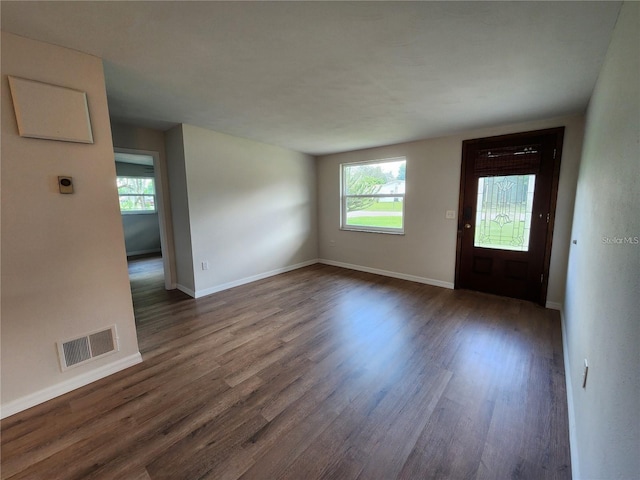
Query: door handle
(467, 225)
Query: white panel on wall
(50, 112)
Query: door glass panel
(503, 212)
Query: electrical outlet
(205, 265)
(332, 243)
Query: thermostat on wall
(65, 184)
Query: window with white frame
(137, 195)
(372, 195)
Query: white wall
(427, 251)
(64, 272)
(252, 208)
(602, 307)
(141, 233)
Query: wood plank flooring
(319, 373)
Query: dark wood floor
(317, 373)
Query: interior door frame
(559, 133)
(163, 220)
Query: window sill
(139, 213)
(371, 230)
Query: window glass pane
(373, 178)
(137, 194)
(503, 212)
(127, 203)
(149, 202)
(136, 185)
(375, 212)
(137, 203)
(373, 195)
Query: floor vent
(81, 350)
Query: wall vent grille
(101, 343)
(89, 347)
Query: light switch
(450, 215)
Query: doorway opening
(142, 205)
(508, 192)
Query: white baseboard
(253, 278)
(186, 290)
(67, 386)
(554, 306)
(386, 273)
(573, 439)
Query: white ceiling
(322, 77)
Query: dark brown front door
(508, 192)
